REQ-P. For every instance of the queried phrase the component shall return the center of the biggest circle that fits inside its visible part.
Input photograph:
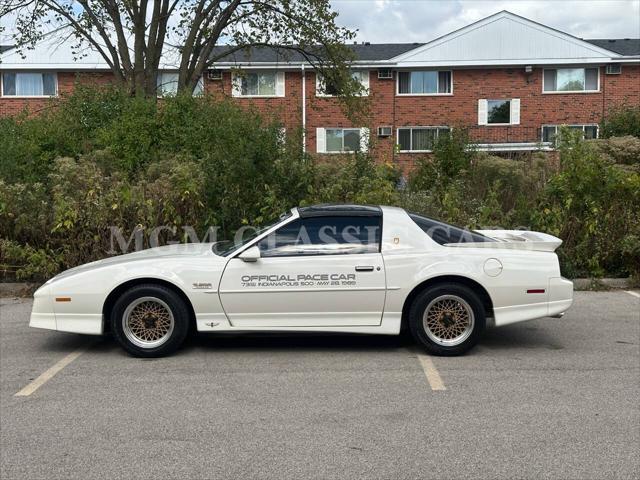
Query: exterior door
(317, 271)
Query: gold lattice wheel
(148, 322)
(448, 320)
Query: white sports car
(327, 268)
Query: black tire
(167, 301)
(442, 292)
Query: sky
(404, 21)
(423, 20)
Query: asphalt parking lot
(551, 398)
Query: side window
(324, 236)
(444, 233)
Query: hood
(515, 239)
(177, 250)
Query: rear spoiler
(515, 239)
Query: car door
(312, 272)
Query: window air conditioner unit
(615, 69)
(384, 131)
(385, 73)
(214, 75)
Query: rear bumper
(560, 295)
(559, 299)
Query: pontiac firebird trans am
(327, 268)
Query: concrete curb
(601, 283)
(26, 289)
(17, 289)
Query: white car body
(519, 275)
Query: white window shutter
(236, 85)
(365, 81)
(482, 111)
(321, 140)
(280, 84)
(364, 139)
(515, 111)
(319, 82)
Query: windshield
(226, 247)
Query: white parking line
(635, 294)
(431, 372)
(50, 373)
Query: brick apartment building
(509, 80)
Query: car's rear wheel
(447, 319)
(150, 320)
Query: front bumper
(79, 316)
(42, 314)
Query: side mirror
(250, 255)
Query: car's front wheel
(447, 319)
(150, 321)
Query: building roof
(383, 51)
(363, 52)
(622, 46)
(501, 39)
(505, 39)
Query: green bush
(26, 263)
(452, 156)
(622, 150)
(354, 179)
(592, 202)
(474, 189)
(594, 206)
(101, 159)
(621, 121)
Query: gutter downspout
(304, 109)
(604, 98)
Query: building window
(258, 84)
(29, 84)
(499, 112)
(428, 82)
(551, 133)
(571, 80)
(325, 88)
(419, 139)
(341, 140)
(167, 83)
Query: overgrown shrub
(591, 202)
(452, 156)
(353, 179)
(26, 263)
(472, 188)
(623, 150)
(103, 159)
(594, 206)
(622, 121)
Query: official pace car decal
(300, 280)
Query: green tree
(133, 35)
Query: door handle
(364, 268)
